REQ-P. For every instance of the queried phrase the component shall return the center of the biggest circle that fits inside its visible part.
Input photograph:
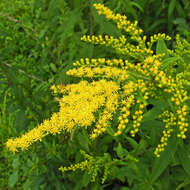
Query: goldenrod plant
(140, 94)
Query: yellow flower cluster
(122, 22)
(76, 109)
(174, 88)
(133, 81)
(182, 50)
(107, 114)
(129, 91)
(125, 110)
(137, 118)
(170, 122)
(145, 78)
(107, 40)
(99, 62)
(106, 72)
(178, 98)
(158, 36)
(120, 45)
(61, 89)
(26, 140)
(182, 121)
(74, 167)
(127, 26)
(91, 164)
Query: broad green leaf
(152, 114)
(124, 172)
(171, 8)
(132, 142)
(105, 27)
(53, 67)
(142, 146)
(13, 178)
(37, 181)
(21, 121)
(157, 23)
(86, 179)
(83, 140)
(161, 163)
(110, 131)
(129, 8)
(161, 47)
(137, 6)
(77, 3)
(180, 10)
(96, 186)
(27, 184)
(166, 62)
(78, 185)
(184, 157)
(125, 188)
(153, 127)
(184, 184)
(15, 163)
(121, 152)
(158, 107)
(179, 21)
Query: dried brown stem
(19, 23)
(26, 74)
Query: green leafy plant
(125, 112)
(36, 50)
(171, 17)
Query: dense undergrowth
(139, 81)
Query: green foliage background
(39, 40)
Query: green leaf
(121, 152)
(137, 6)
(184, 157)
(179, 21)
(171, 8)
(160, 164)
(96, 186)
(153, 127)
(105, 27)
(15, 163)
(125, 188)
(83, 140)
(13, 178)
(157, 23)
(110, 131)
(126, 171)
(86, 179)
(152, 114)
(129, 8)
(142, 146)
(53, 67)
(161, 47)
(37, 181)
(166, 62)
(132, 142)
(158, 107)
(180, 10)
(27, 184)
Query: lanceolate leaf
(13, 178)
(166, 62)
(184, 157)
(161, 47)
(160, 164)
(171, 8)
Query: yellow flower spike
(115, 85)
(75, 109)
